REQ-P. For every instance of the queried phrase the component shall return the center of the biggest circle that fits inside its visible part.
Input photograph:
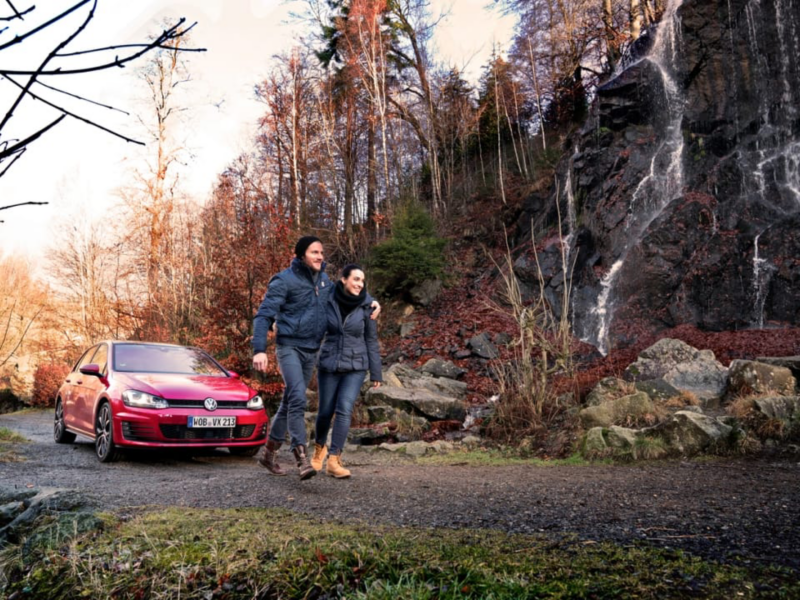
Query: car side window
(100, 357)
(86, 358)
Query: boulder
(411, 379)
(790, 362)
(443, 368)
(482, 346)
(626, 409)
(682, 367)
(620, 438)
(366, 435)
(751, 377)
(658, 389)
(784, 408)
(594, 443)
(606, 390)
(407, 328)
(688, 433)
(425, 402)
(381, 414)
(426, 292)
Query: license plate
(208, 422)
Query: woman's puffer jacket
(352, 344)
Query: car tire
(244, 451)
(60, 433)
(104, 445)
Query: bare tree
(37, 82)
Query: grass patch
(270, 553)
(499, 457)
(8, 438)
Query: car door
(69, 395)
(92, 387)
(82, 393)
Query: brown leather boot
(335, 467)
(306, 470)
(269, 459)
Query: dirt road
(722, 509)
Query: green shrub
(412, 255)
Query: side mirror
(91, 369)
(233, 374)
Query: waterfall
(663, 182)
(761, 276)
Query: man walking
(296, 301)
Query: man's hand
(376, 309)
(260, 362)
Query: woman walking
(349, 350)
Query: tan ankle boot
(320, 452)
(335, 468)
(269, 460)
(305, 469)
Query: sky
(79, 170)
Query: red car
(144, 395)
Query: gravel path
(719, 509)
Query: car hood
(187, 387)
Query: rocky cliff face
(685, 183)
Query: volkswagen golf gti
(127, 395)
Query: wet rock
(751, 377)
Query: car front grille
(138, 432)
(200, 404)
(182, 432)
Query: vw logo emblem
(210, 404)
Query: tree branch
(75, 116)
(17, 14)
(22, 204)
(45, 25)
(33, 137)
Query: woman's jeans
(297, 366)
(337, 395)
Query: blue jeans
(297, 367)
(337, 395)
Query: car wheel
(104, 435)
(244, 451)
(60, 433)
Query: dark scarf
(346, 301)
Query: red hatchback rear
(144, 395)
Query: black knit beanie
(303, 243)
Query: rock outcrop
(686, 178)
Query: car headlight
(255, 403)
(143, 400)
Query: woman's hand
(376, 309)
(376, 384)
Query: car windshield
(147, 358)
